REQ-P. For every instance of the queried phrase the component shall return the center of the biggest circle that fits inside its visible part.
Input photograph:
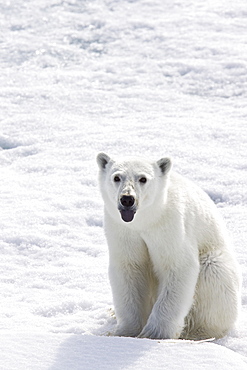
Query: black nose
(127, 200)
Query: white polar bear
(172, 271)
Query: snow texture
(154, 78)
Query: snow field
(126, 77)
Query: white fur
(172, 271)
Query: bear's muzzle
(127, 208)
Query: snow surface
(145, 77)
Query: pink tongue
(127, 216)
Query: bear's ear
(165, 164)
(102, 160)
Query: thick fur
(172, 271)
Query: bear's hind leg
(217, 297)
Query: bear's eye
(116, 179)
(143, 180)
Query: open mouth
(127, 207)
(127, 214)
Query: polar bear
(172, 271)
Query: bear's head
(131, 184)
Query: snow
(143, 77)
(46, 351)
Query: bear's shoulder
(182, 188)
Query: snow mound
(35, 351)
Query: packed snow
(146, 77)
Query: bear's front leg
(130, 294)
(129, 273)
(176, 292)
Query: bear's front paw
(127, 332)
(151, 332)
(158, 332)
